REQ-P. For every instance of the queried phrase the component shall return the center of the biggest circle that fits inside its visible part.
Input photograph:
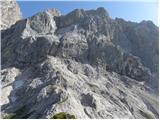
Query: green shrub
(63, 115)
(146, 115)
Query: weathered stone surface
(83, 63)
(10, 13)
(143, 38)
(41, 23)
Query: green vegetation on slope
(63, 115)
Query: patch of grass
(146, 115)
(10, 116)
(63, 115)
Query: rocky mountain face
(83, 63)
(10, 13)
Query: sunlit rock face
(10, 13)
(83, 63)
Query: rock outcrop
(83, 63)
(10, 13)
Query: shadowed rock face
(84, 52)
(144, 41)
(10, 13)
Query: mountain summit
(83, 64)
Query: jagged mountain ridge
(88, 48)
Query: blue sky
(132, 11)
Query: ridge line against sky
(125, 9)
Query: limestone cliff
(83, 63)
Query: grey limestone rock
(10, 13)
(83, 63)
